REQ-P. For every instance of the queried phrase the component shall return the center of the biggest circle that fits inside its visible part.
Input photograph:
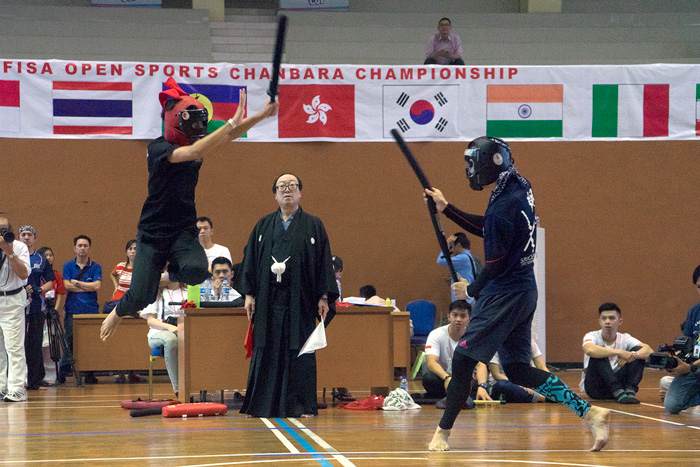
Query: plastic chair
(156, 353)
(423, 317)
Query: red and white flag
(316, 110)
(9, 106)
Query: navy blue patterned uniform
(506, 294)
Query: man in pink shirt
(444, 48)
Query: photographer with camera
(613, 364)
(14, 270)
(684, 391)
(40, 280)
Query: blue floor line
(304, 444)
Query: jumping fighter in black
(167, 230)
(506, 291)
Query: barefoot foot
(439, 441)
(109, 325)
(598, 419)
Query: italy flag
(524, 110)
(697, 110)
(630, 110)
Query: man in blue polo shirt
(40, 280)
(82, 278)
(462, 259)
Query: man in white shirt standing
(14, 270)
(613, 364)
(213, 250)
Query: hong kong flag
(316, 111)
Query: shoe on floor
(90, 379)
(13, 396)
(3, 393)
(120, 379)
(133, 379)
(627, 398)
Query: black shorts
(500, 323)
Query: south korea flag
(421, 110)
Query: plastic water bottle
(225, 289)
(205, 291)
(404, 384)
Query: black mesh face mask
(193, 123)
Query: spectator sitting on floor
(613, 364)
(439, 348)
(511, 392)
(683, 390)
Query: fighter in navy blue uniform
(506, 290)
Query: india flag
(630, 110)
(697, 110)
(9, 106)
(524, 110)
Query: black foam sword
(277, 57)
(434, 215)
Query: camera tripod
(58, 343)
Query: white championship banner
(119, 100)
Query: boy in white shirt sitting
(613, 364)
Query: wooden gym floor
(86, 426)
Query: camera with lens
(663, 358)
(7, 235)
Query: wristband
(484, 385)
(447, 376)
(230, 122)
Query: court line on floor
(304, 444)
(280, 436)
(353, 455)
(321, 442)
(670, 422)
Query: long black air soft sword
(277, 57)
(434, 216)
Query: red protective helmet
(187, 121)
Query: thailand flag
(9, 106)
(92, 108)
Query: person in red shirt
(121, 278)
(121, 275)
